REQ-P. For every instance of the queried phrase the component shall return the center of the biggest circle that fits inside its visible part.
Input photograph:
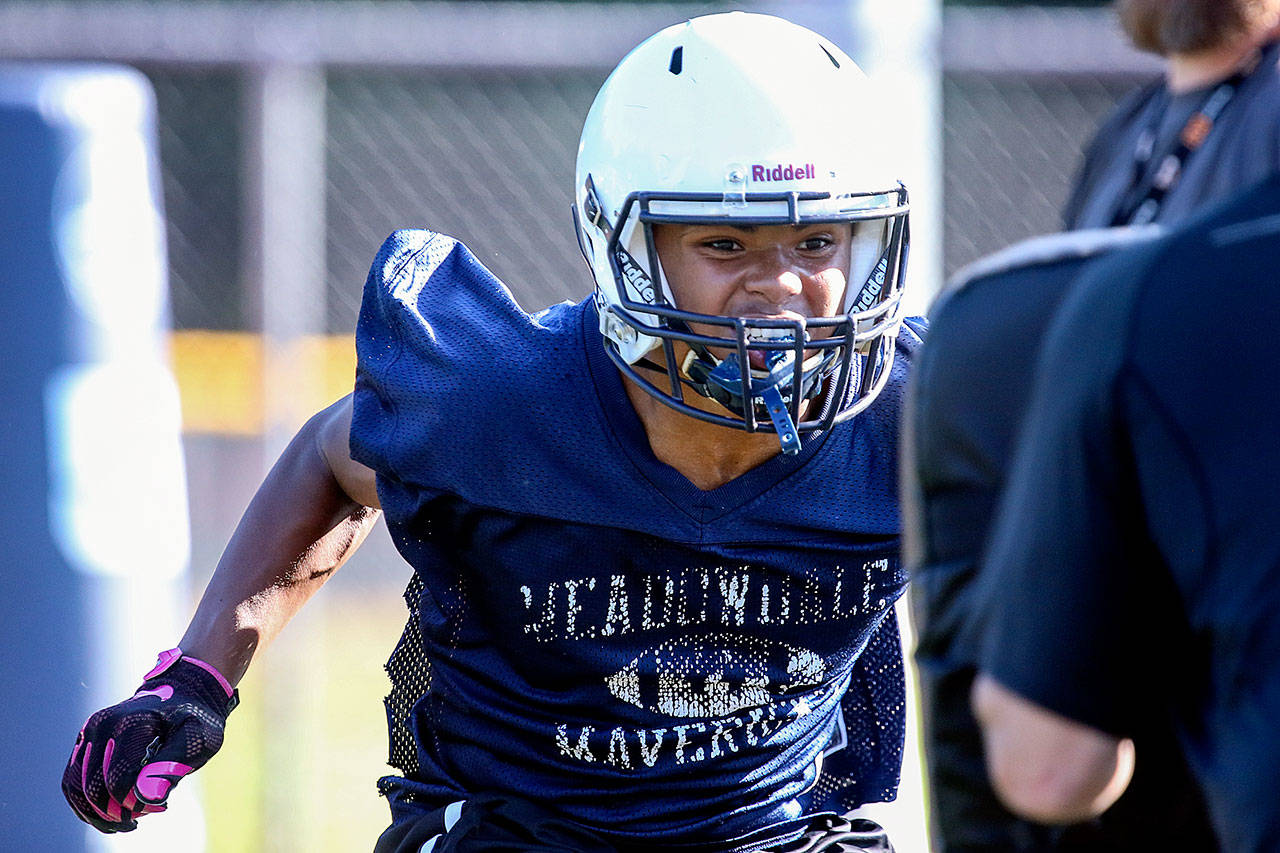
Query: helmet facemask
(844, 360)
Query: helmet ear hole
(585, 246)
(591, 206)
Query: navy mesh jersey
(592, 631)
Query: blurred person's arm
(1044, 766)
(309, 515)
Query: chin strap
(726, 378)
(722, 381)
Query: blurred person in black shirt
(969, 390)
(1134, 571)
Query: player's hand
(128, 757)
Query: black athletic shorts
(508, 825)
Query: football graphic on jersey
(714, 675)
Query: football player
(655, 553)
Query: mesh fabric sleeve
(383, 344)
(434, 327)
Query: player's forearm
(1044, 766)
(299, 528)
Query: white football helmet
(750, 120)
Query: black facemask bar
(857, 350)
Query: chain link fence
(462, 117)
(484, 157)
(199, 129)
(1011, 147)
(488, 157)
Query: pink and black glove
(128, 757)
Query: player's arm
(311, 512)
(309, 515)
(1044, 766)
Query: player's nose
(776, 278)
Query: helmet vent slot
(677, 60)
(834, 61)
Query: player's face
(774, 271)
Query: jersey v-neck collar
(624, 425)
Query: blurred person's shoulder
(1168, 289)
(1000, 294)
(1039, 253)
(1118, 123)
(1261, 94)
(1229, 243)
(987, 327)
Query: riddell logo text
(782, 173)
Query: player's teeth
(761, 334)
(769, 335)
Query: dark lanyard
(1148, 187)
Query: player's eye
(722, 244)
(816, 243)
